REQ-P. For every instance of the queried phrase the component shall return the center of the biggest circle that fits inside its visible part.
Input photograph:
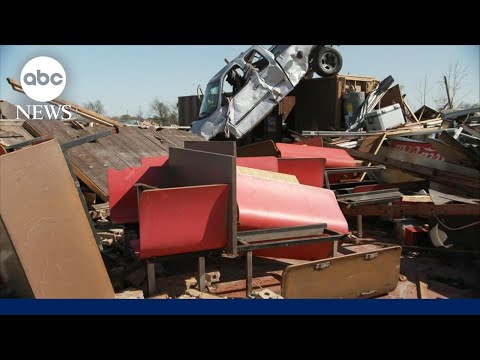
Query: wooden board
(350, 276)
(267, 174)
(126, 149)
(192, 167)
(48, 228)
(218, 147)
(426, 168)
(371, 144)
(469, 154)
(393, 96)
(454, 155)
(414, 209)
(262, 148)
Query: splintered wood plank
(453, 155)
(426, 168)
(371, 144)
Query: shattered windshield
(210, 99)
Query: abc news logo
(43, 79)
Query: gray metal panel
(193, 167)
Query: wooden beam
(410, 111)
(414, 209)
(77, 109)
(426, 168)
(454, 155)
(422, 286)
(371, 144)
(88, 182)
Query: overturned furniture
(205, 188)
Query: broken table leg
(151, 282)
(201, 274)
(249, 274)
(359, 226)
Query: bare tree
(163, 113)
(454, 85)
(95, 106)
(424, 88)
(140, 113)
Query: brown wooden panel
(414, 209)
(192, 167)
(316, 104)
(453, 155)
(50, 232)
(426, 168)
(370, 144)
(218, 147)
(393, 96)
(262, 148)
(344, 277)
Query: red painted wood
(334, 157)
(265, 203)
(183, 220)
(122, 192)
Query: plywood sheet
(47, 226)
(345, 277)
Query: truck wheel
(327, 61)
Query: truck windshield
(210, 99)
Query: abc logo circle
(43, 78)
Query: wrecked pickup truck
(246, 90)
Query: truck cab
(246, 90)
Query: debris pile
(145, 211)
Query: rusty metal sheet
(47, 227)
(358, 275)
(192, 168)
(183, 220)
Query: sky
(126, 78)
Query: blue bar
(240, 307)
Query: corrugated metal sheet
(188, 109)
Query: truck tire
(327, 61)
